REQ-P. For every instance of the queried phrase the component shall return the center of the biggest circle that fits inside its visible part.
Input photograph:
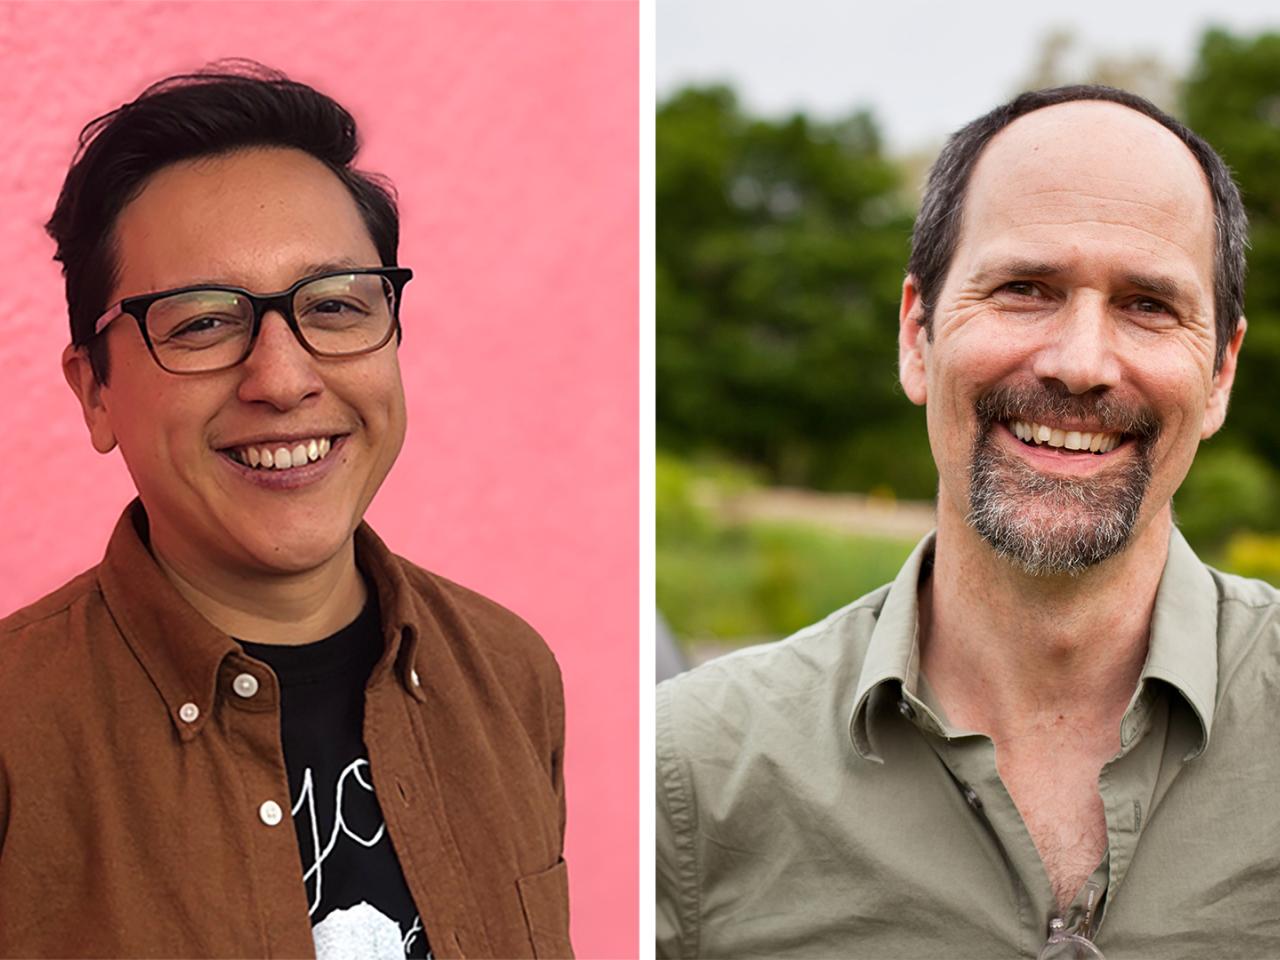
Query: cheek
(378, 395)
(966, 370)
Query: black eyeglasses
(207, 328)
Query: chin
(296, 552)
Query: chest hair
(1056, 792)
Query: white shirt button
(270, 813)
(245, 684)
(413, 678)
(189, 712)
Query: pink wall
(511, 132)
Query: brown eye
(1020, 288)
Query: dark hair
(937, 227)
(230, 105)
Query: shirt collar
(404, 612)
(1183, 650)
(893, 654)
(1184, 635)
(182, 652)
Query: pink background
(510, 130)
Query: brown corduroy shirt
(132, 776)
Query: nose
(278, 371)
(1079, 352)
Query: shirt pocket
(545, 899)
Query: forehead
(1066, 175)
(255, 218)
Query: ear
(79, 373)
(1216, 410)
(913, 343)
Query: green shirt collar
(1183, 650)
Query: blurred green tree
(780, 254)
(1232, 99)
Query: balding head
(1044, 124)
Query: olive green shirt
(814, 801)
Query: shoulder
(791, 678)
(487, 640)
(1248, 618)
(52, 607)
(749, 715)
(1245, 593)
(737, 740)
(462, 611)
(49, 652)
(31, 636)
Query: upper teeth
(282, 456)
(1071, 439)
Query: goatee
(1050, 524)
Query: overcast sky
(924, 68)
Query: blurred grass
(1252, 555)
(745, 581)
(762, 581)
(732, 581)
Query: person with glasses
(1053, 734)
(253, 730)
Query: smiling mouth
(1077, 441)
(282, 455)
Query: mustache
(1042, 402)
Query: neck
(286, 609)
(1008, 653)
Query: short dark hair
(937, 227)
(228, 106)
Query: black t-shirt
(360, 903)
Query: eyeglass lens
(210, 329)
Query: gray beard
(1052, 525)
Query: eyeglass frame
(281, 302)
(1080, 938)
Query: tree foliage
(780, 255)
(1232, 99)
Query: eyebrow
(1019, 268)
(329, 266)
(1163, 287)
(1158, 285)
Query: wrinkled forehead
(1089, 184)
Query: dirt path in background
(846, 512)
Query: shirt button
(971, 797)
(270, 813)
(413, 678)
(245, 684)
(189, 712)
(906, 709)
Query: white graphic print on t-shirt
(362, 930)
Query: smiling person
(1054, 733)
(252, 730)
